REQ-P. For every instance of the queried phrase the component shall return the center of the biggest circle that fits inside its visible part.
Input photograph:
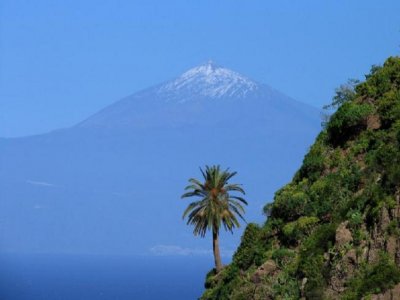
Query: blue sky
(61, 61)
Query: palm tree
(215, 205)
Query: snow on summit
(181, 101)
(208, 80)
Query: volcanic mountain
(112, 183)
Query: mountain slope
(199, 96)
(111, 184)
(333, 232)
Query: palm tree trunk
(217, 255)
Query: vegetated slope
(333, 232)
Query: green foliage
(389, 108)
(311, 263)
(344, 93)
(351, 173)
(287, 287)
(222, 284)
(374, 279)
(355, 218)
(216, 205)
(381, 80)
(394, 228)
(282, 256)
(386, 160)
(250, 250)
(296, 230)
(313, 163)
(375, 201)
(290, 202)
(349, 120)
(210, 279)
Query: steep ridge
(333, 231)
(112, 183)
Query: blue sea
(52, 277)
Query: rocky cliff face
(333, 232)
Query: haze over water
(83, 277)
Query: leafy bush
(222, 284)
(347, 122)
(344, 93)
(287, 287)
(381, 79)
(250, 250)
(393, 228)
(210, 279)
(290, 202)
(355, 218)
(311, 263)
(374, 279)
(296, 230)
(389, 108)
(313, 163)
(282, 256)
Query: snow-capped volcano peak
(208, 80)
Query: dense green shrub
(290, 202)
(296, 230)
(355, 218)
(374, 279)
(311, 262)
(381, 79)
(250, 250)
(313, 163)
(210, 279)
(287, 287)
(389, 108)
(347, 122)
(226, 280)
(282, 256)
(394, 228)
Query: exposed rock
(344, 268)
(351, 257)
(384, 220)
(337, 281)
(373, 122)
(397, 255)
(378, 242)
(268, 268)
(395, 212)
(364, 252)
(331, 294)
(373, 253)
(302, 286)
(326, 256)
(391, 247)
(343, 235)
(396, 292)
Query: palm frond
(239, 199)
(217, 206)
(235, 187)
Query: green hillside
(333, 232)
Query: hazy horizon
(62, 62)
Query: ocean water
(72, 277)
